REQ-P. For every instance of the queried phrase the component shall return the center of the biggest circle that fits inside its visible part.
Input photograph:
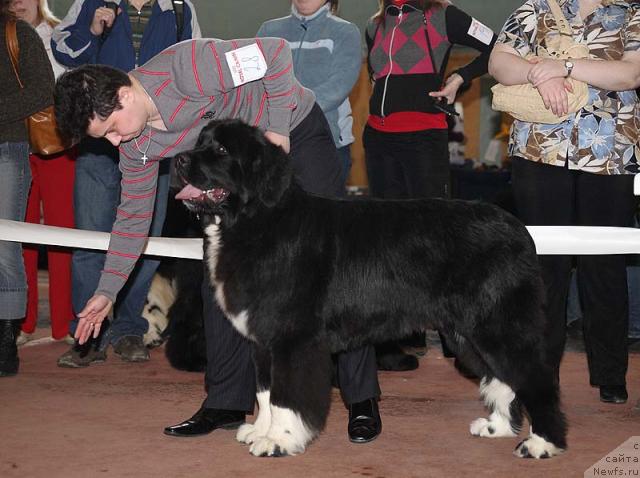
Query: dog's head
(232, 170)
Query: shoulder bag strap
(561, 20)
(13, 48)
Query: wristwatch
(568, 64)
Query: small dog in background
(174, 302)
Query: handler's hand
(450, 88)
(92, 316)
(279, 140)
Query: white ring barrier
(549, 240)
(62, 236)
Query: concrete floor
(107, 420)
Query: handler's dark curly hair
(84, 92)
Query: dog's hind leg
(525, 380)
(505, 419)
(540, 396)
(300, 395)
(249, 432)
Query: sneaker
(23, 338)
(82, 356)
(130, 348)
(68, 339)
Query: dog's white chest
(239, 321)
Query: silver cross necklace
(144, 153)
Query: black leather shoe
(364, 421)
(613, 394)
(205, 421)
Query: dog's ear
(273, 173)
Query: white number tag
(480, 32)
(246, 64)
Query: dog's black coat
(318, 275)
(185, 345)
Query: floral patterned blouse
(603, 137)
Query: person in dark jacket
(19, 99)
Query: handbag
(44, 137)
(524, 102)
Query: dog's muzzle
(193, 194)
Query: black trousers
(548, 195)
(407, 165)
(230, 375)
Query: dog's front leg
(249, 432)
(300, 395)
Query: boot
(8, 349)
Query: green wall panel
(241, 18)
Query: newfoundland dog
(304, 276)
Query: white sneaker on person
(23, 338)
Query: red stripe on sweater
(259, 43)
(139, 180)
(184, 133)
(220, 75)
(150, 164)
(139, 196)
(116, 273)
(123, 152)
(129, 234)
(123, 254)
(145, 215)
(286, 93)
(277, 54)
(152, 73)
(162, 87)
(175, 113)
(280, 73)
(194, 67)
(259, 116)
(238, 93)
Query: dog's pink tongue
(189, 192)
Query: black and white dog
(304, 276)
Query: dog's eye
(221, 149)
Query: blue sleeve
(72, 42)
(191, 27)
(263, 31)
(344, 69)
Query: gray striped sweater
(192, 83)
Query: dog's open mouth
(193, 194)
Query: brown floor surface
(106, 420)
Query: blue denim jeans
(96, 197)
(15, 181)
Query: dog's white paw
(249, 432)
(275, 447)
(495, 427)
(536, 447)
(243, 433)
